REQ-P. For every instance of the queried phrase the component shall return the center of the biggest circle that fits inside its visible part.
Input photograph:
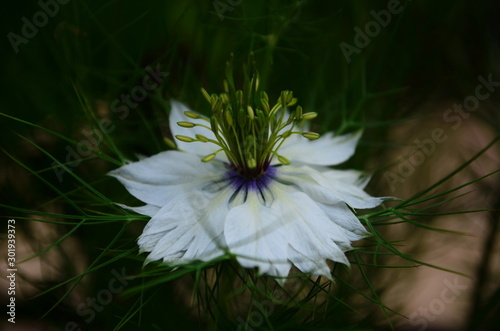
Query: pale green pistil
(246, 127)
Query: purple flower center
(256, 184)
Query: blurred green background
(66, 76)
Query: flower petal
(315, 266)
(310, 232)
(148, 210)
(188, 228)
(294, 228)
(341, 215)
(158, 179)
(256, 234)
(350, 177)
(330, 187)
(327, 150)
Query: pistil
(246, 128)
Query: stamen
(186, 124)
(309, 116)
(202, 138)
(310, 135)
(185, 138)
(192, 115)
(246, 128)
(208, 158)
(283, 159)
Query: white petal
(188, 228)
(329, 187)
(148, 210)
(311, 232)
(294, 228)
(315, 266)
(341, 215)
(157, 179)
(351, 177)
(257, 235)
(197, 148)
(327, 150)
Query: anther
(191, 114)
(309, 116)
(310, 135)
(185, 139)
(250, 112)
(186, 124)
(208, 158)
(202, 138)
(283, 160)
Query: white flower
(270, 210)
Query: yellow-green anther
(286, 98)
(261, 118)
(241, 118)
(185, 139)
(191, 114)
(292, 102)
(310, 135)
(229, 118)
(283, 160)
(263, 95)
(201, 138)
(186, 124)
(286, 134)
(206, 95)
(208, 158)
(250, 112)
(224, 97)
(213, 125)
(239, 96)
(214, 99)
(169, 143)
(283, 98)
(298, 112)
(309, 115)
(251, 163)
(265, 105)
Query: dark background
(67, 75)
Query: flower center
(247, 128)
(258, 184)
